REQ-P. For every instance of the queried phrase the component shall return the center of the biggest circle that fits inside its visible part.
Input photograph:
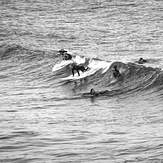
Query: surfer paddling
(94, 93)
(141, 61)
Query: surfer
(95, 93)
(74, 66)
(78, 68)
(141, 61)
(65, 55)
(116, 72)
(91, 93)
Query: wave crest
(133, 78)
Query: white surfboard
(60, 65)
(82, 75)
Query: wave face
(134, 77)
(47, 118)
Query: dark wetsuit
(116, 72)
(67, 56)
(93, 93)
(141, 61)
(78, 68)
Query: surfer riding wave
(74, 66)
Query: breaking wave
(133, 78)
(36, 65)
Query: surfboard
(82, 75)
(60, 65)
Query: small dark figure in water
(92, 92)
(116, 72)
(141, 61)
(65, 55)
(78, 68)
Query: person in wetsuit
(65, 55)
(141, 61)
(78, 68)
(74, 66)
(116, 72)
(94, 93)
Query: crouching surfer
(94, 93)
(74, 66)
(78, 68)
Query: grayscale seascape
(44, 119)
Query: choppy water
(46, 120)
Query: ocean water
(44, 119)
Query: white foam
(60, 65)
(79, 60)
(96, 64)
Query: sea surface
(44, 119)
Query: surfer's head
(92, 92)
